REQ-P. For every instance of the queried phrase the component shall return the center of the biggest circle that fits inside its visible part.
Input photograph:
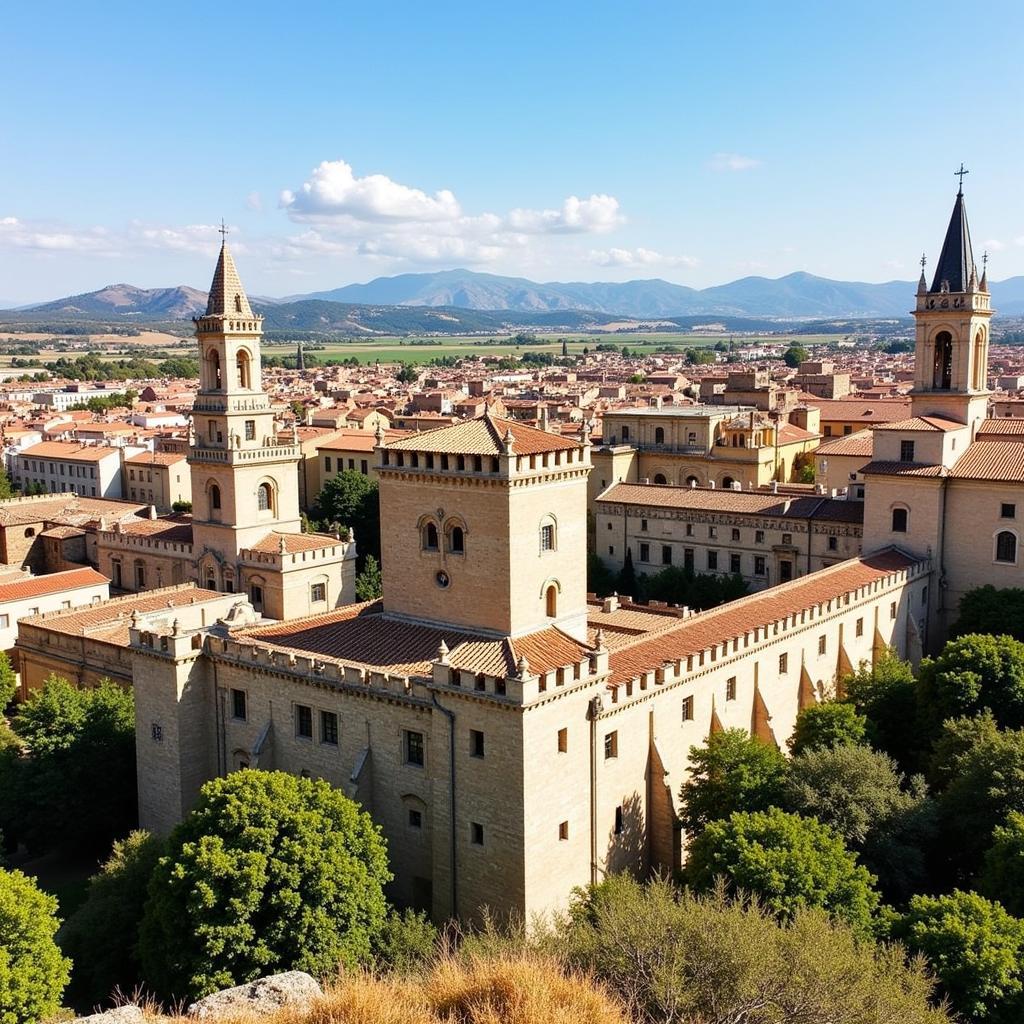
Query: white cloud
(333, 190)
(596, 215)
(638, 258)
(254, 201)
(994, 245)
(733, 162)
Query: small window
(713, 560)
(329, 728)
(783, 664)
(238, 709)
(899, 520)
(318, 592)
(250, 430)
(547, 537)
(906, 451)
(264, 498)
(687, 709)
(892, 610)
(859, 629)
(1006, 547)
(1007, 510)
(303, 721)
(611, 745)
(759, 537)
(735, 534)
(833, 543)
(618, 820)
(734, 564)
(430, 537)
(476, 743)
(476, 833)
(666, 554)
(563, 741)
(413, 744)
(645, 552)
(712, 532)
(730, 688)
(457, 540)
(563, 831)
(327, 463)
(760, 565)
(643, 525)
(415, 818)
(5, 620)
(689, 529)
(787, 539)
(822, 644)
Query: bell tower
(952, 331)
(244, 481)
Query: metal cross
(223, 229)
(984, 260)
(960, 174)
(924, 260)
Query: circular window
(442, 579)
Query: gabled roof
(54, 583)
(227, 296)
(484, 436)
(927, 423)
(1002, 461)
(956, 261)
(860, 444)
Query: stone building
(160, 478)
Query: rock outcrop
(262, 996)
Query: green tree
(682, 958)
(829, 724)
(75, 786)
(408, 374)
(789, 862)
(352, 499)
(886, 696)
(861, 795)
(6, 487)
(731, 772)
(269, 872)
(8, 681)
(795, 355)
(975, 949)
(974, 672)
(298, 408)
(102, 936)
(181, 507)
(628, 582)
(600, 579)
(369, 585)
(992, 610)
(1002, 874)
(33, 972)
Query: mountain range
(455, 301)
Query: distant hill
(119, 300)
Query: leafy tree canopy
(829, 724)
(885, 694)
(996, 611)
(351, 499)
(795, 355)
(1002, 876)
(369, 584)
(268, 873)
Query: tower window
(457, 540)
(1008, 511)
(238, 705)
(906, 451)
(303, 721)
(430, 537)
(329, 728)
(413, 743)
(551, 601)
(547, 537)
(250, 430)
(611, 745)
(899, 520)
(244, 366)
(942, 372)
(476, 743)
(1006, 547)
(264, 497)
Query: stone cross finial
(282, 545)
(599, 640)
(523, 667)
(442, 653)
(378, 434)
(176, 627)
(508, 440)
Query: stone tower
(951, 349)
(244, 481)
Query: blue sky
(557, 141)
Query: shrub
(33, 972)
(830, 724)
(885, 694)
(269, 872)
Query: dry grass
(473, 989)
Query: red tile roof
(872, 410)
(37, 586)
(860, 443)
(156, 458)
(70, 450)
(1008, 426)
(882, 468)
(485, 436)
(1001, 461)
(926, 423)
(293, 542)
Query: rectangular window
(413, 744)
(822, 644)
(734, 564)
(643, 525)
(563, 831)
(759, 536)
(689, 529)
(892, 610)
(783, 664)
(666, 554)
(735, 534)
(547, 537)
(352, 462)
(618, 820)
(415, 818)
(250, 430)
(1008, 510)
(687, 709)
(730, 688)
(563, 740)
(787, 539)
(833, 543)
(476, 743)
(5, 621)
(363, 467)
(712, 559)
(327, 463)
(476, 833)
(712, 532)
(329, 728)
(688, 559)
(318, 592)
(859, 629)
(303, 721)
(759, 565)
(645, 552)
(611, 745)
(906, 451)
(238, 709)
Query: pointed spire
(956, 262)
(227, 296)
(983, 284)
(922, 284)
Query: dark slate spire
(956, 261)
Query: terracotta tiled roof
(70, 450)
(991, 460)
(790, 433)
(702, 499)
(860, 443)
(171, 529)
(929, 423)
(360, 440)
(65, 507)
(156, 458)
(874, 410)
(734, 619)
(53, 583)
(485, 436)
(1009, 426)
(294, 542)
(882, 468)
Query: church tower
(952, 316)
(244, 480)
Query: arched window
(215, 380)
(659, 478)
(692, 481)
(1006, 547)
(430, 537)
(942, 372)
(980, 361)
(548, 534)
(211, 578)
(238, 303)
(244, 364)
(727, 482)
(899, 520)
(551, 601)
(456, 540)
(214, 496)
(265, 497)
(659, 435)
(140, 574)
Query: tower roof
(227, 296)
(485, 436)
(956, 261)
